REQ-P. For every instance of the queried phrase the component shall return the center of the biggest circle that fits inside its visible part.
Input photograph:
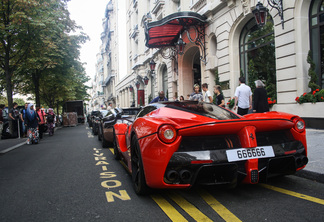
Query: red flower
(297, 98)
(314, 92)
(274, 101)
(322, 98)
(304, 94)
(317, 90)
(269, 98)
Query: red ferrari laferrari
(178, 144)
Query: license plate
(249, 153)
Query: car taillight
(299, 124)
(167, 133)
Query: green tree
(16, 21)
(19, 101)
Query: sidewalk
(7, 145)
(314, 170)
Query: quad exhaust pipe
(174, 176)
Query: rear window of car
(130, 111)
(201, 108)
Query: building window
(316, 19)
(257, 55)
(165, 79)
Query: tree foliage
(311, 73)
(38, 55)
(261, 59)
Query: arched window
(213, 45)
(257, 55)
(316, 19)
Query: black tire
(116, 151)
(5, 132)
(138, 177)
(104, 143)
(100, 134)
(95, 130)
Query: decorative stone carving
(246, 7)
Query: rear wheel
(116, 152)
(138, 177)
(104, 143)
(100, 134)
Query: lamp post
(131, 88)
(180, 45)
(152, 65)
(260, 12)
(146, 79)
(137, 84)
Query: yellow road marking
(292, 193)
(168, 209)
(188, 207)
(218, 207)
(112, 150)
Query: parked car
(5, 134)
(96, 121)
(106, 132)
(5, 131)
(92, 116)
(178, 144)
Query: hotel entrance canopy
(166, 32)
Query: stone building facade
(107, 61)
(230, 50)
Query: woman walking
(31, 123)
(260, 98)
(50, 121)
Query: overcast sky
(89, 15)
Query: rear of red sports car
(186, 143)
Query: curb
(11, 148)
(319, 177)
(20, 144)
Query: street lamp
(146, 79)
(180, 45)
(137, 84)
(260, 12)
(131, 88)
(152, 65)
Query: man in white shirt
(207, 97)
(243, 98)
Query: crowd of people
(30, 122)
(243, 97)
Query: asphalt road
(69, 177)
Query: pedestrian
(219, 99)
(207, 97)
(160, 98)
(50, 121)
(1, 119)
(22, 118)
(41, 121)
(243, 98)
(14, 117)
(196, 95)
(181, 98)
(109, 106)
(260, 98)
(31, 123)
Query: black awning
(166, 31)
